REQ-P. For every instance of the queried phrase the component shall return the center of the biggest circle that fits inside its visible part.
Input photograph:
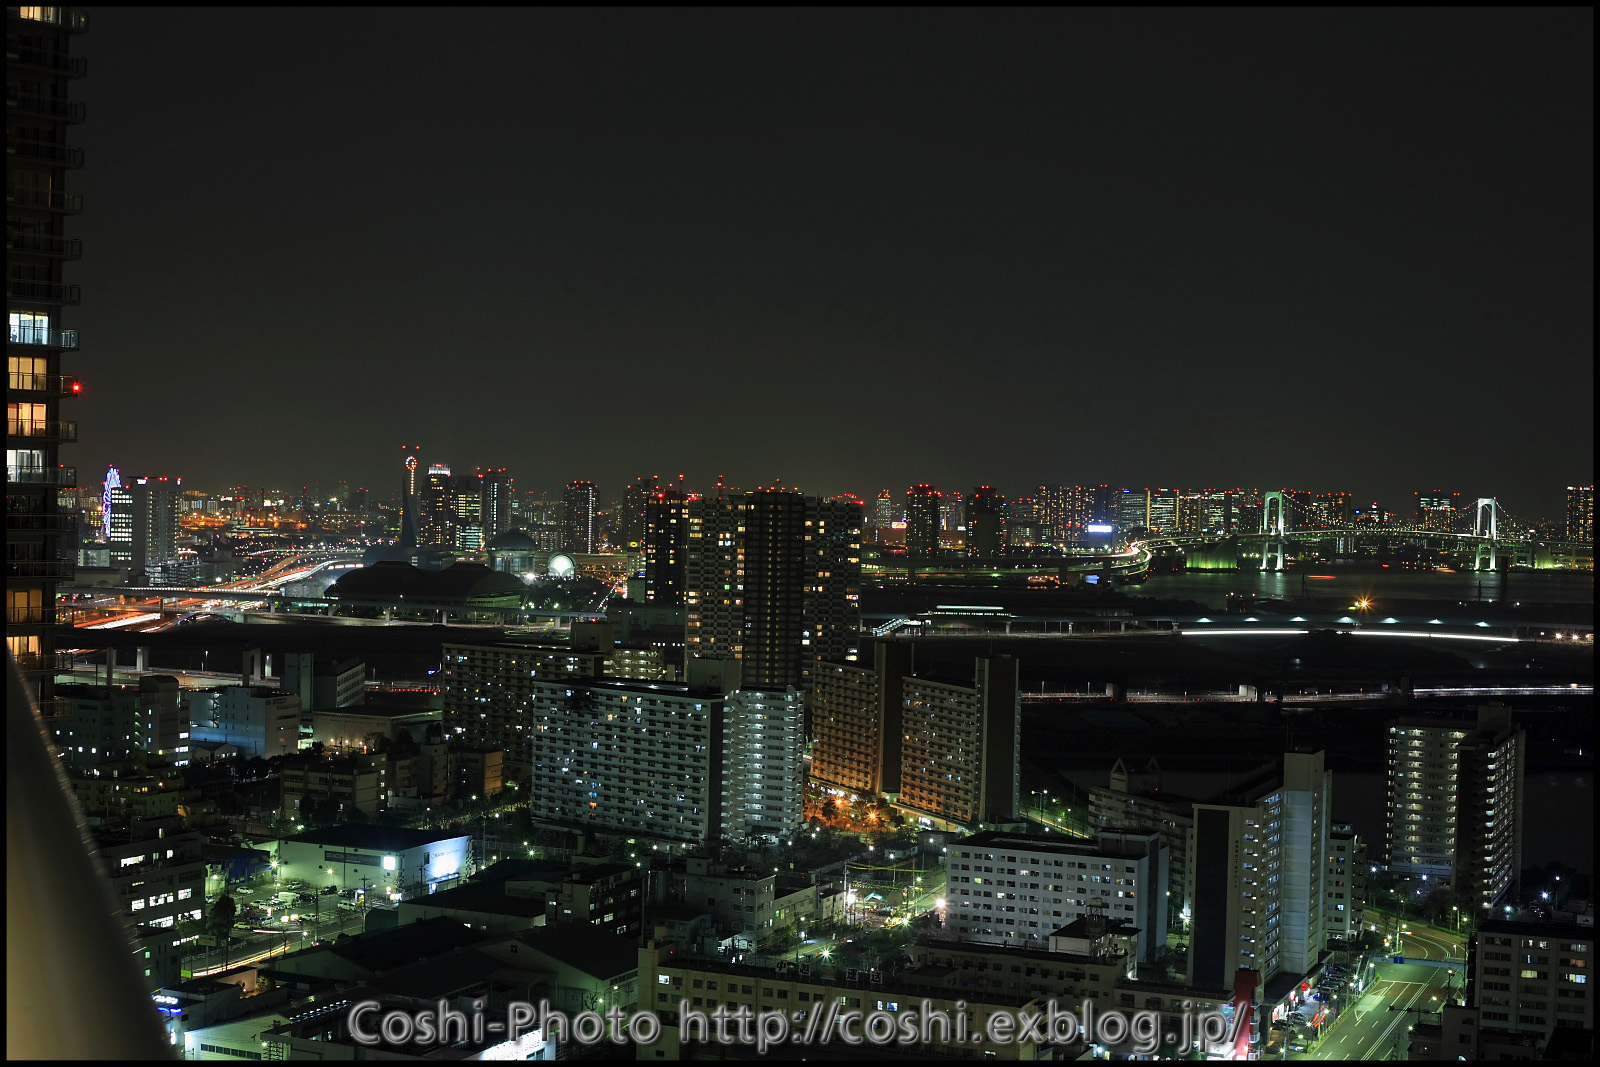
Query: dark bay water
(1391, 585)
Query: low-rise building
(117, 722)
(395, 862)
(355, 783)
(670, 977)
(261, 721)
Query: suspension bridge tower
(1274, 525)
(1486, 533)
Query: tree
(219, 923)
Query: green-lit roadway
(1403, 994)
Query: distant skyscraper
(1163, 511)
(1440, 510)
(636, 497)
(666, 541)
(775, 577)
(466, 525)
(495, 508)
(832, 597)
(119, 496)
(883, 511)
(155, 526)
(1217, 506)
(1580, 513)
(1133, 512)
(985, 522)
(580, 502)
(922, 519)
(437, 510)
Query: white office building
(260, 721)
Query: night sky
(852, 250)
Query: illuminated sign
(897, 526)
(113, 481)
(1099, 527)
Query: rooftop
(376, 838)
(599, 953)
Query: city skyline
(990, 248)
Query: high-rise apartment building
(1344, 885)
(961, 748)
(764, 771)
(1256, 874)
(580, 505)
(856, 720)
(985, 522)
(1455, 803)
(155, 506)
(688, 762)
(1580, 513)
(773, 578)
(436, 509)
(1133, 801)
(714, 575)
(666, 542)
(1533, 977)
(776, 575)
(495, 508)
(40, 72)
(923, 520)
(1011, 889)
(831, 599)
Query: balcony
(62, 155)
(40, 662)
(68, 18)
(56, 569)
(30, 615)
(59, 430)
(56, 384)
(54, 708)
(42, 292)
(57, 476)
(47, 60)
(49, 107)
(45, 199)
(44, 244)
(39, 522)
(44, 336)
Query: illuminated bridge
(1488, 544)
